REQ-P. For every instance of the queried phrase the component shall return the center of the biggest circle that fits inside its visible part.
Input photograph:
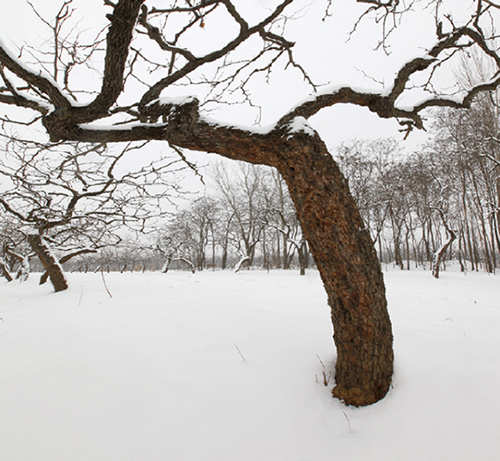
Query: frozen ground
(223, 366)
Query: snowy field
(223, 366)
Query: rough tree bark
(351, 273)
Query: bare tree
(174, 250)
(75, 201)
(439, 254)
(366, 165)
(139, 32)
(242, 190)
(15, 255)
(281, 216)
(186, 237)
(203, 216)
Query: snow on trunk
(49, 261)
(240, 263)
(439, 254)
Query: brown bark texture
(49, 262)
(349, 268)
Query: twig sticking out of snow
(326, 378)
(348, 421)
(81, 296)
(238, 349)
(105, 284)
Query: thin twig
(105, 284)
(238, 349)
(348, 421)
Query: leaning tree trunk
(438, 256)
(338, 240)
(348, 264)
(49, 261)
(337, 237)
(67, 258)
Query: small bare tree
(14, 254)
(243, 191)
(75, 201)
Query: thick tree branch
(181, 124)
(123, 21)
(245, 32)
(40, 82)
(20, 101)
(384, 105)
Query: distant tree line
(441, 202)
(443, 198)
(246, 218)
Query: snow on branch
(65, 121)
(384, 102)
(239, 264)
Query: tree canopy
(148, 54)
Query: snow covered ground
(223, 366)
